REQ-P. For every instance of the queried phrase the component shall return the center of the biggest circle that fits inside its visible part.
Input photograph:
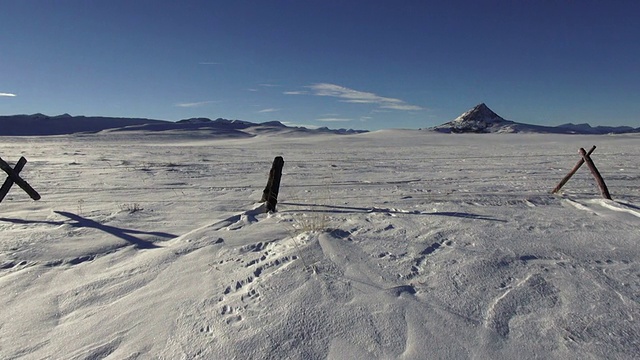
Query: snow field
(393, 244)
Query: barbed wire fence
(237, 183)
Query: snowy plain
(395, 244)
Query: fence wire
(306, 180)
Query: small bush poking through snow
(131, 207)
(317, 222)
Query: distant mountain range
(481, 119)
(39, 124)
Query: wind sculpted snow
(392, 244)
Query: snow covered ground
(391, 244)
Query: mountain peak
(479, 113)
(479, 119)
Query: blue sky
(338, 63)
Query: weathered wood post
(596, 174)
(14, 177)
(270, 193)
(573, 171)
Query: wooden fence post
(596, 174)
(270, 193)
(573, 171)
(14, 177)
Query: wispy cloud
(403, 106)
(296, 92)
(196, 104)
(7, 94)
(334, 119)
(269, 85)
(361, 97)
(269, 110)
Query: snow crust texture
(386, 245)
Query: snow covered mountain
(481, 119)
(39, 124)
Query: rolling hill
(40, 124)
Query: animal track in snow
(12, 264)
(418, 264)
(431, 249)
(248, 266)
(206, 329)
(21, 264)
(402, 289)
(81, 259)
(254, 247)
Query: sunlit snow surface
(392, 244)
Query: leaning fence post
(270, 193)
(596, 174)
(13, 176)
(573, 171)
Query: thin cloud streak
(403, 107)
(8, 94)
(295, 92)
(268, 110)
(196, 104)
(361, 97)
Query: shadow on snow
(337, 209)
(81, 222)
